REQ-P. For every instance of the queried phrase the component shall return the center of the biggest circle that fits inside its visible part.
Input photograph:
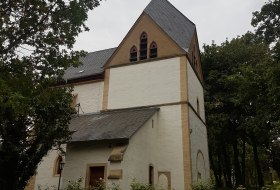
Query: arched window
(151, 175)
(153, 50)
(57, 162)
(200, 166)
(143, 46)
(133, 54)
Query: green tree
(267, 21)
(239, 110)
(267, 24)
(36, 40)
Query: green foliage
(99, 186)
(139, 186)
(209, 185)
(240, 187)
(267, 21)
(75, 185)
(113, 186)
(275, 186)
(34, 115)
(242, 106)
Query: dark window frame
(143, 46)
(133, 54)
(151, 175)
(153, 50)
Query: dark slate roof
(172, 21)
(110, 125)
(92, 64)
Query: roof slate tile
(92, 64)
(172, 21)
(110, 125)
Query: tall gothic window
(153, 50)
(143, 46)
(133, 54)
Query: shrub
(139, 186)
(240, 187)
(75, 185)
(275, 186)
(208, 185)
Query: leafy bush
(208, 185)
(240, 187)
(141, 186)
(99, 186)
(275, 186)
(75, 185)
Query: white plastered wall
(198, 129)
(145, 84)
(157, 142)
(198, 144)
(160, 146)
(89, 96)
(79, 155)
(45, 171)
(195, 91)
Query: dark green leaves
(267, 21)
(36, 40)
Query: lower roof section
(110, 125)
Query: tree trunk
(243, 169)
(236, 162)
(227, 167)
(257, 162)
(216, 172)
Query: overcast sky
(215, 20)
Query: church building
(141, 110)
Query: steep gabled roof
(178, 27)
(92, 64)
(172, 21)
(110, 125)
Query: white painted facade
(79, 155)
(90, 96)
(156, 144)
(195, 91)
(199, 144)
(45, 172)
(150, 83)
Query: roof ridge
(172, 6)
(173, 22)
